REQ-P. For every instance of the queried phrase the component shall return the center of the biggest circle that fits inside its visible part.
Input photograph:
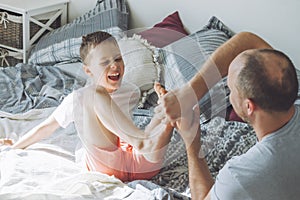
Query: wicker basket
(9, 58)
(11, 28)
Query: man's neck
(267, 123)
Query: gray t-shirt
(269, 170)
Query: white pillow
(141, 66)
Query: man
(263, 85)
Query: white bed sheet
(49, 170)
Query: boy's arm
(112, 117)
(39, 132)
(160, 132)
(159, 135)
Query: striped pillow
(105, 7)
(63, 43)
(184, 58)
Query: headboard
(276, 21)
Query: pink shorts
(124, 163)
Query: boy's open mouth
(114, 77)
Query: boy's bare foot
(161, 91)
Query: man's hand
(189, 126)
(176, 104)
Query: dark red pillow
(234, 117)
(165, 32)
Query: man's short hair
(256, 83)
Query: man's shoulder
(248, 160)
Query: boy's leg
(101, 147)
(160, 132)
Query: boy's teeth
(114, 76)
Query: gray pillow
(105, 6)
(184, 58)
(63, 43)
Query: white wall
(79, 7)
(277, 21)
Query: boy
(112, 143)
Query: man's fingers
(174, 124)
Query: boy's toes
(159, 89)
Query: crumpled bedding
(50, 169)
(27, 86)
(37, 174)
(221, 140)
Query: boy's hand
(6, 142)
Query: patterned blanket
(221, 141)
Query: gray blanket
(24, 87)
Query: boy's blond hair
(90, 41)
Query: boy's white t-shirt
(126, 97)
(70, 110)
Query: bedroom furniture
(22, 23)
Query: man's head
(265, 78)
(102, 59)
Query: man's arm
(216, 67)
(178, 102)
(200, 179)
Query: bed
(30, 92)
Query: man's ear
(87, 70)
(250, 106)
